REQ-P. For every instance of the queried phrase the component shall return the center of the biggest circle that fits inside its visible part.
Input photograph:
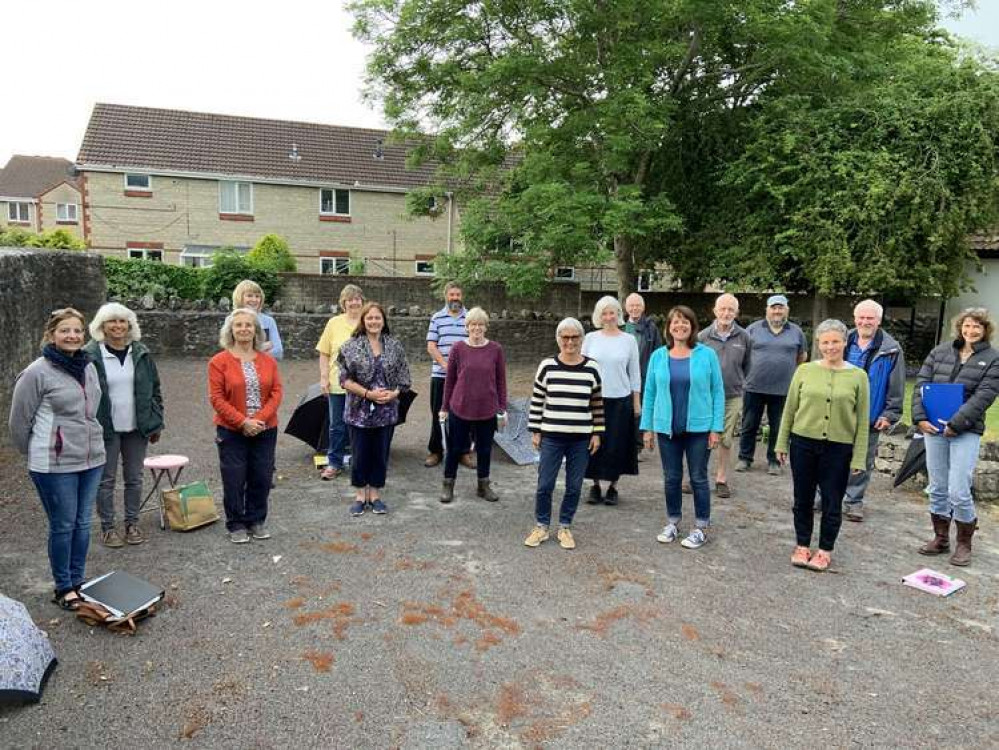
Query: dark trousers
(671, 452)
(246, 464)
(753, 405)
(460, 434)
(369, 461)
(436, 442)
(576, 452)
(823, 465)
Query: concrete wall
(32, 284)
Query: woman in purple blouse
(373, 372)
(474, 402)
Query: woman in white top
(616, 353)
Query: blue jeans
(247, 466)
(671, 452)
(950, 463)
(576, 452)
(338, 431)
(68, 500)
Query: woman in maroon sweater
(474, 402)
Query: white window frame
(559, 276)
(644, 281)
(199, 259)
(341, 266)
(63, 212)
(13, 208)
(426, 264)
(143, 253)
(238, 184)
(149, 182)
(334, 212)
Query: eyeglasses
(571, 338)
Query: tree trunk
(625, 266)
(820, 312)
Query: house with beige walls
(40, 193)
(175, 186)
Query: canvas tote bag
(189, 506)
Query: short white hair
(115, 311)
(226, 339)
(477, 315)
(566, 324)
(831, 326)
(602, 304)
(878, 310)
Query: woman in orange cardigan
(245, 390)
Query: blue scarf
(75, 365)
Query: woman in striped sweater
(566, 420)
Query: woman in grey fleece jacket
(53, 421)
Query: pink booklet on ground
(933, 582)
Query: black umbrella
(310, 422)
(26, 656)
(914, 461)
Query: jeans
(822, 465)
(68, 500)
(460, 433)
(950, 462)
(576, 452)
(753, 405)
(369, 462)
(436, 443)
(338, 430)
(131, 446)
(246, 464)
(671, 452)
(857, 484)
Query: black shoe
(611, 497)
(594, 498)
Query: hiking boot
(378, 507)
(965, 530)
(467, 460)
(259, 531)
(801, 556)
(133, 535)
(357, 508)
(565, 540)
(239, 536)
(820, 561)
(594, 498)
(432, 460)
(855, 512)
(695, 539)
(669, 534)
(742, 465)
(111, 539)
(538, 535)
(611, 497)
(941, 536)
(722, 490)
(447, 491)
(773, 469)
(485, 491)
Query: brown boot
(447, 491)
(485, 491)
(941, 539)
(962, 555)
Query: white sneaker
(669, 534)
(694, 540)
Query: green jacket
(148, 397)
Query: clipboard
(942, 401)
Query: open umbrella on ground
(310, 422)
(914, 461)
(26, 656)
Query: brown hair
(368, 307)
(684, 312)
(978, 314)
(58, 316)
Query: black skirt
(618, 453)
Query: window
(66, 212)
(644, 281)
(334, 201)
(236, 198)
(19, 212)
(334, 266)
(565, 273)
(424, 268)
(200, 256)
(138, 182)
(143, 253)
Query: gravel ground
(434, 627)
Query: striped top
(445, 329)
(567, 399)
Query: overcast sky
(288, 60)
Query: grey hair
(830, 325)
(878, 310)
(226, 340)
(349, 291)
(452, 285)
(114, 311)
(602, 304)
(565, 324)
(477, 315)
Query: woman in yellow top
(338, 330)
(824, 431)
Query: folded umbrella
(914, 461)
(26, 656)
(310, 421)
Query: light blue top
(617, 358)
(706, 405)
(272, 335)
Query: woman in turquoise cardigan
(684, 404)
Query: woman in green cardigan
(824, 432)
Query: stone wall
(195, 334)
(33, 283)
(892, 449)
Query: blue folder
(941, 401)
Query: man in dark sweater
(649, 339)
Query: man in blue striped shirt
(447, 326)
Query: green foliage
(229, 268)
(357, 265)
(131, 279)
(54, 239)
(272, 252)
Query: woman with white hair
(130, 412)
(251, 295)
(244, 387)
(616, 353)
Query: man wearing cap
(778, 347)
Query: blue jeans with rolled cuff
(576, 452)
(671, 452)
